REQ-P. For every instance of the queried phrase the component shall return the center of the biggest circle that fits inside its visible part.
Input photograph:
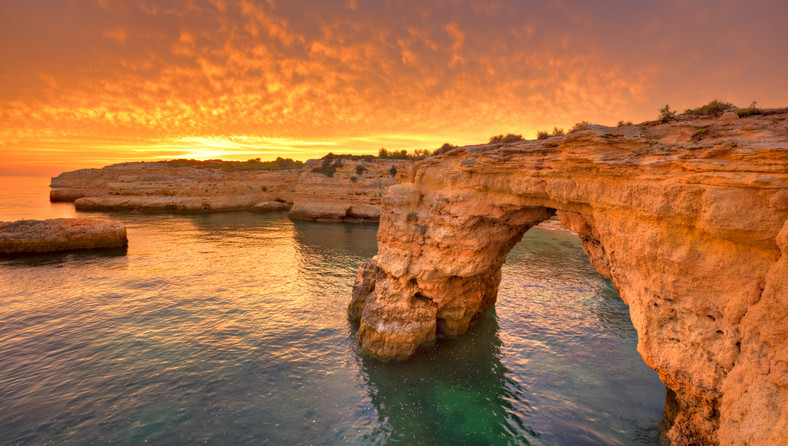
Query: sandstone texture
(687, 219)
(60, 234)
(352, 193)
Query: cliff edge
(686, 218)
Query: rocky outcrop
(352, 192)
(70, 186)
(146, 187)
(60, 234)
(687, 219)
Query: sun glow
(91, 83)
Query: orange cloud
(97, 82)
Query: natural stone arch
(689, 240)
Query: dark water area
(231, 329)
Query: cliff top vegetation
(230, 166)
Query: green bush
(504, 139)
(557, 132)
(360, 169)
(751, 110)
(393, 171)
(624, 124)
(230, 166)
(713, 108)
(666, 114)
(542, 134)
(328, 171)
(354, 178)
(699, 134)
(383, 153)
(444, 148)
(580, 124)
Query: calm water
(231, 329)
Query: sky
(86, 83)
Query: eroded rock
(60, 234)
(691, 233)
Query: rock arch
(692, 235)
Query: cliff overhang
(691, 232)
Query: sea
(231, 329)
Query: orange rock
(60, 234)
(692, 233)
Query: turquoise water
(231, 329)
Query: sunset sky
(88, 83)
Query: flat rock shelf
(60, 234)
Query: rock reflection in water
(459, 393)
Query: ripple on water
(231, 329)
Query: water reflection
(458, 393)
(63, 257)
(231, 329)
(330, 239)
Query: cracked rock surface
(687, 219)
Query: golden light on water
(84, 84)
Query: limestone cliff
(60, 234)
(687, 219)
(352, 192)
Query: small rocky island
(60, 234)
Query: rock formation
(60, 234)
(687, 219)
(352, 192)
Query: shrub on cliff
(544, 134)
(383, 153)
(751, 110)
(403, 154)
(229, 166)
(393, 171)
(328, 166)
(666, 114)
(360, 169)
(624, 124)
(713, 108)
(503, 139)
(580, 124)
(444, 148)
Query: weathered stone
(692, 233)
(60, 234)
(266, 206)
(349, 195)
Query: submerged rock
(265, 206)
(60, 234)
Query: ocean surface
(231, 328)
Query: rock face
(687, 219)
(352, 193)
(152, 187)
(60, 234)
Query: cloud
(349, 72)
